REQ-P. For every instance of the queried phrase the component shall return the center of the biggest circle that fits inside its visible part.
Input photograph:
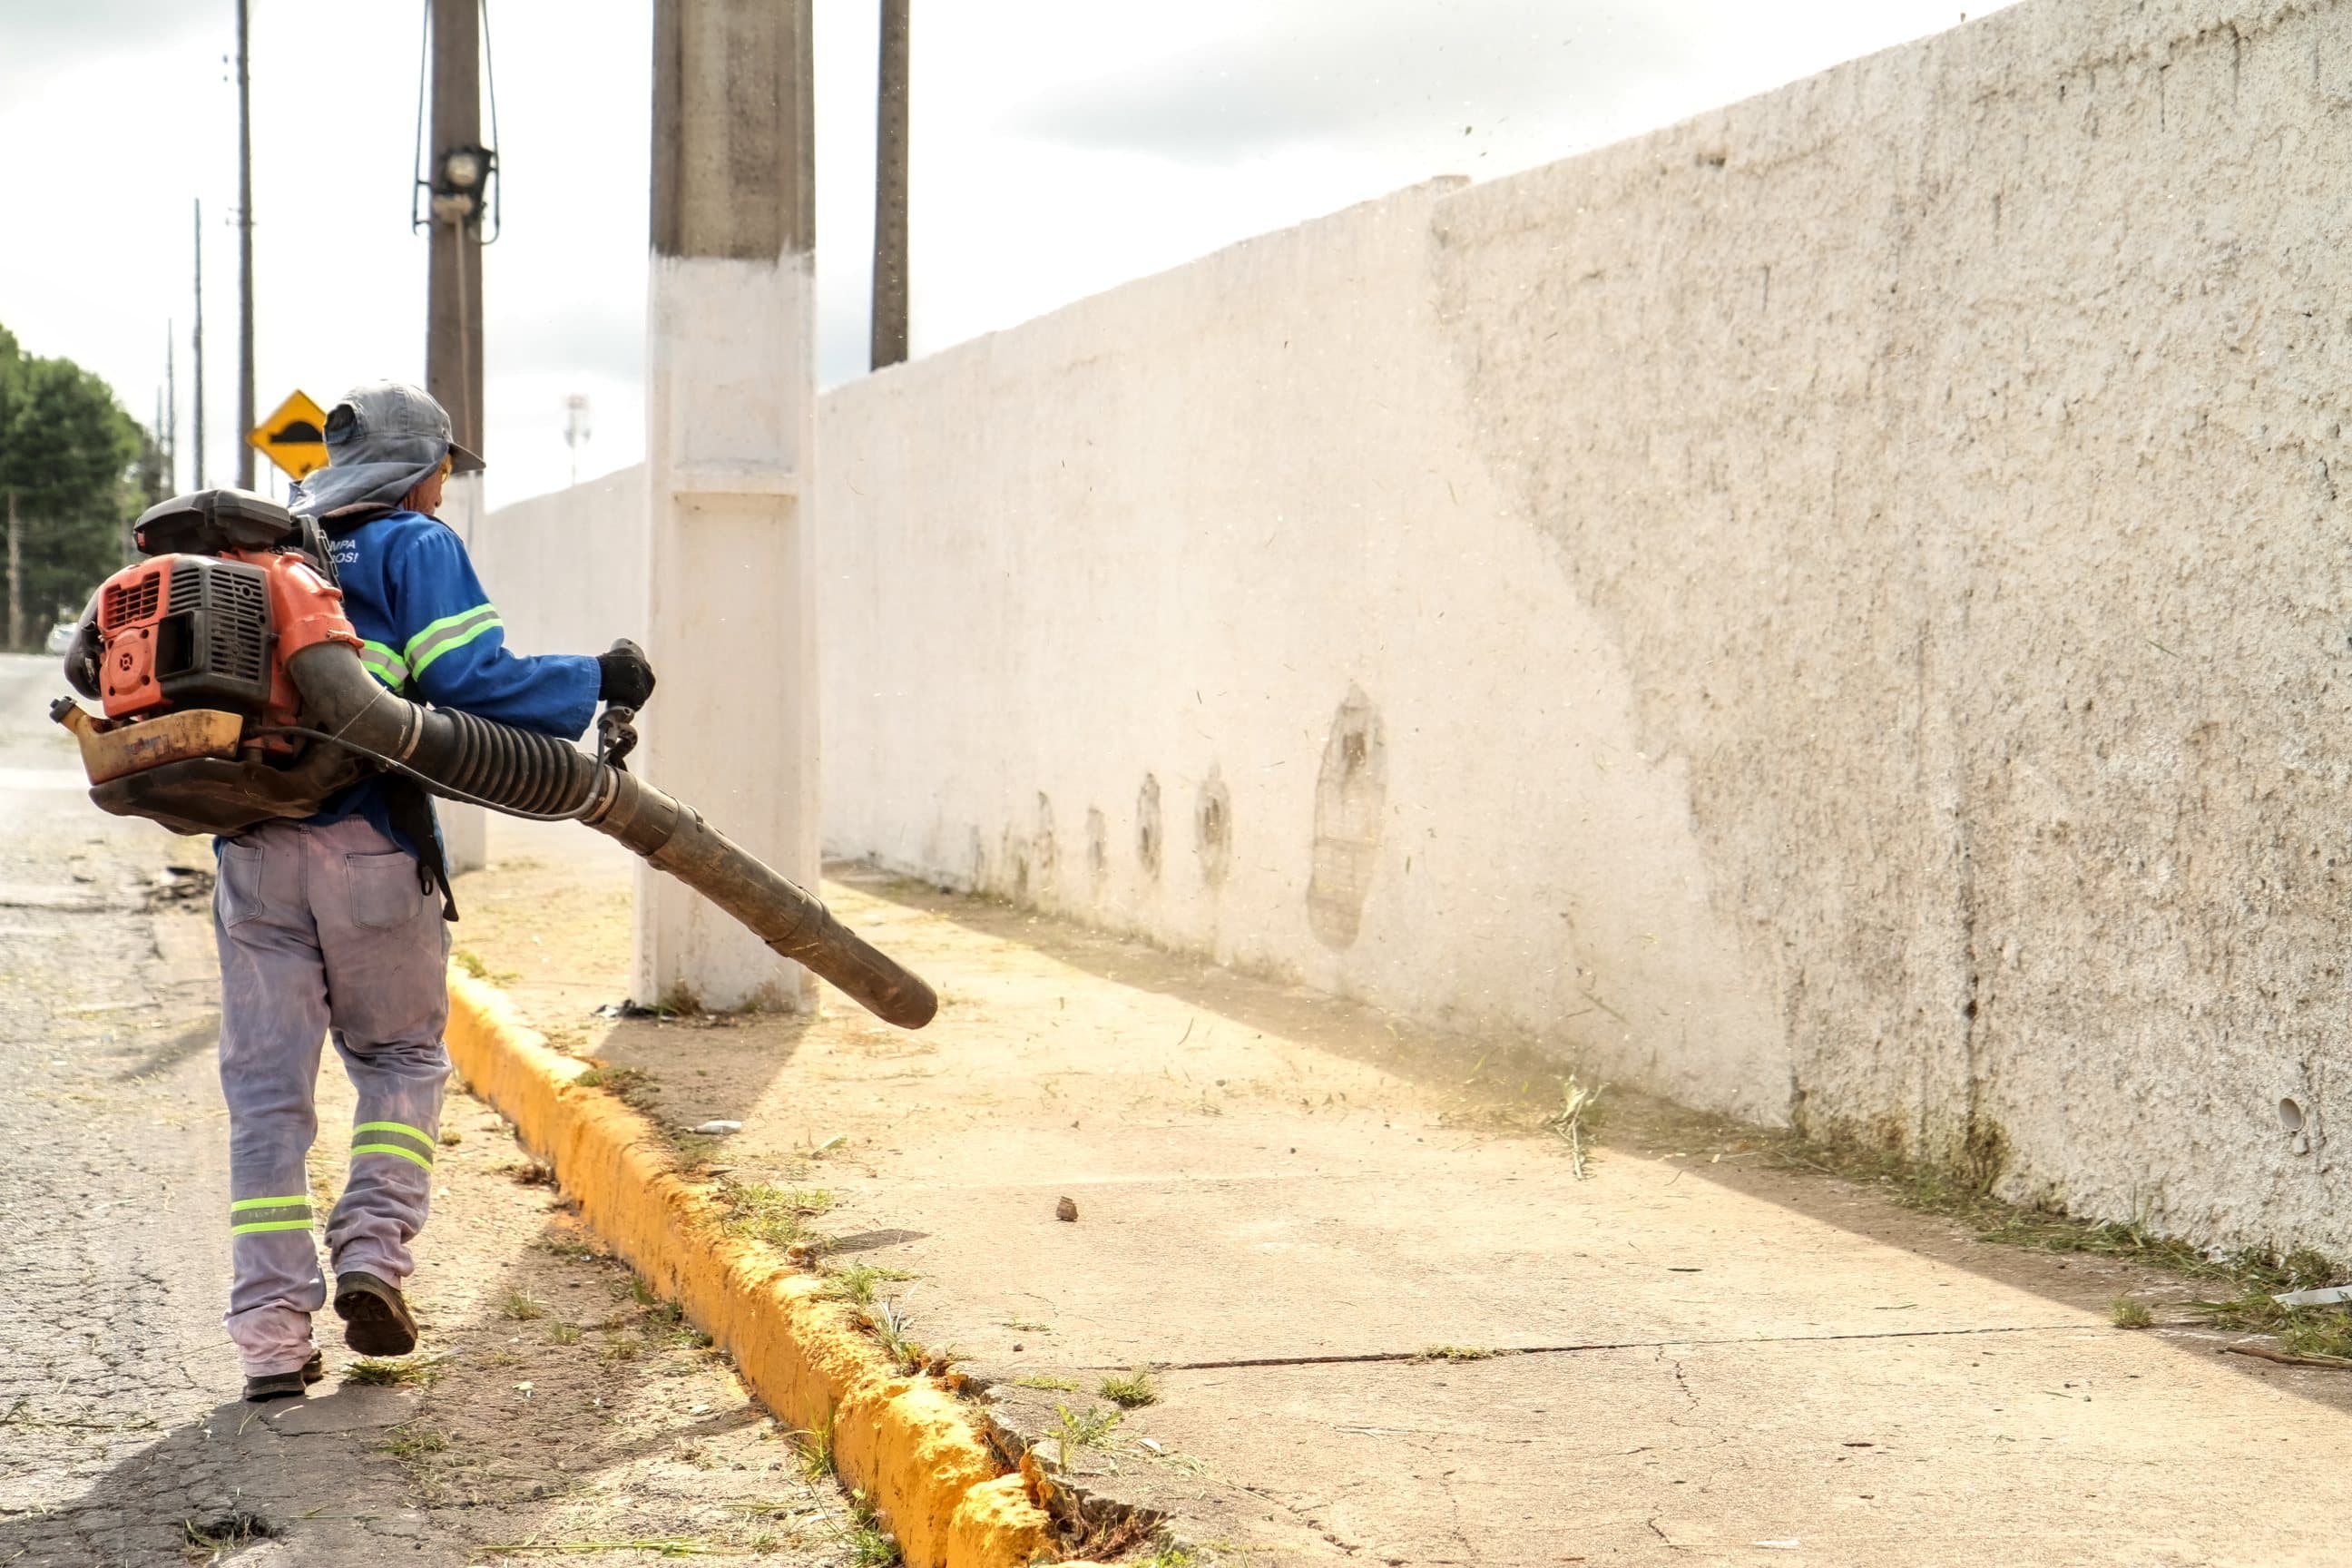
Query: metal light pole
(245, 415)
(890, 335)
(196, 464)
(458, 179)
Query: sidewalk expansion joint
(1499, 1354)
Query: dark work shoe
(284, 1385)
(375, 1317)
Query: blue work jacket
(433, 635)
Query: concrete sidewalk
(1385, 1319)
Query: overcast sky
(1059, 147)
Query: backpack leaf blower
(234, 694)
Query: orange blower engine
(194, 649)
(233, 694)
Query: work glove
(625, 675)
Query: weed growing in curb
(869, 1545)
(860, 1282)
(633, 1087)
(1039, 1380)
(471, 963)
(667, 1320)
(563, 1333)
(694, 1151)
(779, 1216)
(889, 1327)
(2128, 1313)
(814, 1450)
(1131, 1391)
(1078, 1431)
(520, 1307)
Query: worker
(338, 922)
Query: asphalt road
(122, 1439)
(565, 1412)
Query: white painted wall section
(1167, 542)
(1835, 611)
(730, 605)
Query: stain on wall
(1041, 854)
(1147, 827)
(1098, 852)
(1351, 795)
(1213, 828)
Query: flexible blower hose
(530, 774)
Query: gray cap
(391, 422)
(384, 439)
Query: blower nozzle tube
(516, 770)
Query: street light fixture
(460, 177)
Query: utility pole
(15, 578)
(245, 415)
(460, 173)
(458, 180)
(730, 437)
(889, 336)
(171, 431)
(196, 466)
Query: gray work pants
(324, 928)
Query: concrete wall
(1831, 610)
(567, 570)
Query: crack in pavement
(1502, 1353)
(1306, 1515)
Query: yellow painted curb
(906, 1442)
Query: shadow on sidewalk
(241, 1473)
(483, 1467)
(1495, 1098)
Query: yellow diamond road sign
(295, 437)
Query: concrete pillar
(731, 428)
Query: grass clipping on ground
(2249, 1280)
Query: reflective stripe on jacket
(432, 635)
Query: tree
(68, 457)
